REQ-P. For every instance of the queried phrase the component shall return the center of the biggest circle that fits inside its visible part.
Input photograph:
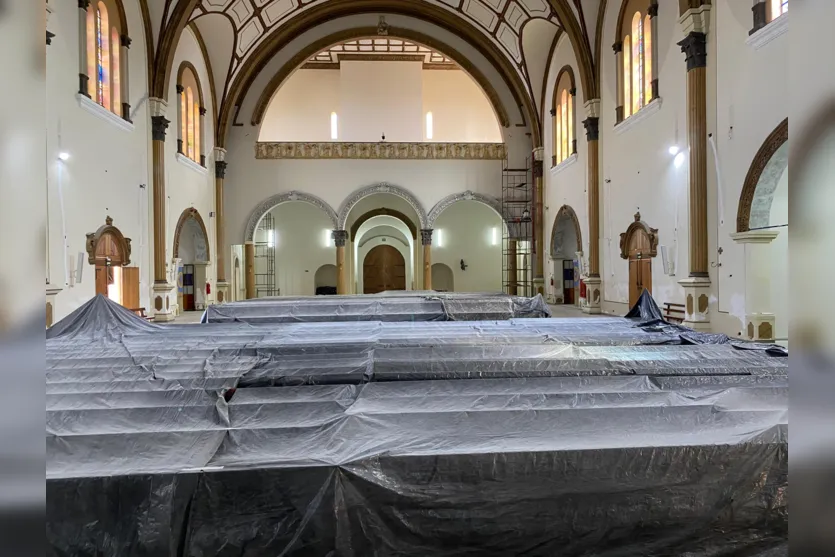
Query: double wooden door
(125, 278)
(640, 267)
(383, 269)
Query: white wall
(108, 165)
(779, 251)
(372, 98)
(467, 234)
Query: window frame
(636, 23)
(105, 82)
(191, 115)
(564, 117)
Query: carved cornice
(639, 227)
(403, 151)
(391, 189)
(123, 243)
(268, 204)
(773, 142)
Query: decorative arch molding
(186, 65)
(93, 239)
(284, 73)
(567, 69)
(271, 202)
(639, 227)
(764, 174)
(190, 213)
(449, 200)
(566, 212)
(383, 187)
(383, 211)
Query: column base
(594, 296)
(222, 292)
(51, 294)
(697, 303)
(165, 302)
(539, 286)
(759, 326)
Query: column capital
(592, 107)
(158, 126)
(158, 106)
(694, 46)
(180, 89)
(125, 41)
(618, 47)
(220, 169)
(219, 153)
(592, 125)
(203, 111)
(340, 237)
(84, 4)
(426, 236)
(652, 11)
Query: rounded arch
(268, 204)
(384, 187)
(763, 175)
(566, 212)
(106, 231)
(186, 65)
(383, 211)
(190, 213)
(443, 279)
(445, 203)
(565, 71)
(638, 227)
(287, 70)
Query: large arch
(383, 211)
(445, 203)
(268, 204)
(357, 196)
(762, 178)
(566, 212)
(191, 213)
(287, 70)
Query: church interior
(411, 277)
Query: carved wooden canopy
(639, 227)
(112, 236)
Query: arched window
(638, 86)
(563, 117)
(105, 82)
(778, 8)
(191, 112)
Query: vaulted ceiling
(236, 33)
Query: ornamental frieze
(381, 150)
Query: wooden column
(83, 78)
(539, 221)
(220, 225)
(158, 126)
(512, 268)
(249, 263)
(694, 46)
(340, 238)
(593, 281)
(426, 241)
(618, 48)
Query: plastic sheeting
(388, 306)
(175, 440)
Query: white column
(759, 316)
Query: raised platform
(523, 436)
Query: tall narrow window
(103, 54)
(190, 124)
(647, 57)
(430, 126)
(191, 107)
(563, 116)
(558, 137)
(637, 62)
(778, 8)
(334, 126)
(102, 57)
(115, 71)
(627, 77)
(564, 105)
(197, 122)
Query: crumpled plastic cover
(586, 436)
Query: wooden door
(640, 266)
(383, 269)
(101, 280)
(130, 287)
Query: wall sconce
(463, 265)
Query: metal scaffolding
(517, 239)
(265, 259)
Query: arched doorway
(191, 258)
(442, 278)
(384, 268)
(566, 250)
(109, 251)
(639, 244)
(324, 281)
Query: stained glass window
(627, 76)
(778, 8)
(647, 56)
(197, 121)
(557, 140)
(565, 124)
(190, 125)
(637, 65)
(563, 118)
(116, 80)
(637, 62)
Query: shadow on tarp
(649, 317)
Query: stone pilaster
(539, 221)
(340, 238)
(594, 284)
(426, 242)
(759, 317)
(163, 290)
(220, 225)
(125, 77)
(618, 48)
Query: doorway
(383, 269)
(109, 251)
(639, 244)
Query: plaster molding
(771, 31)
(380, 150)
(696, 20)
(592, 107)
(102, 113)
(382, 187)
(158, 106)
(539, 154)
(564, 164)
(755, 236)
(220, 154)
(762, 160)
(271, 202)
(647, 111)
(196, 167)
(450, 200)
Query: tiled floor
(569, 311)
